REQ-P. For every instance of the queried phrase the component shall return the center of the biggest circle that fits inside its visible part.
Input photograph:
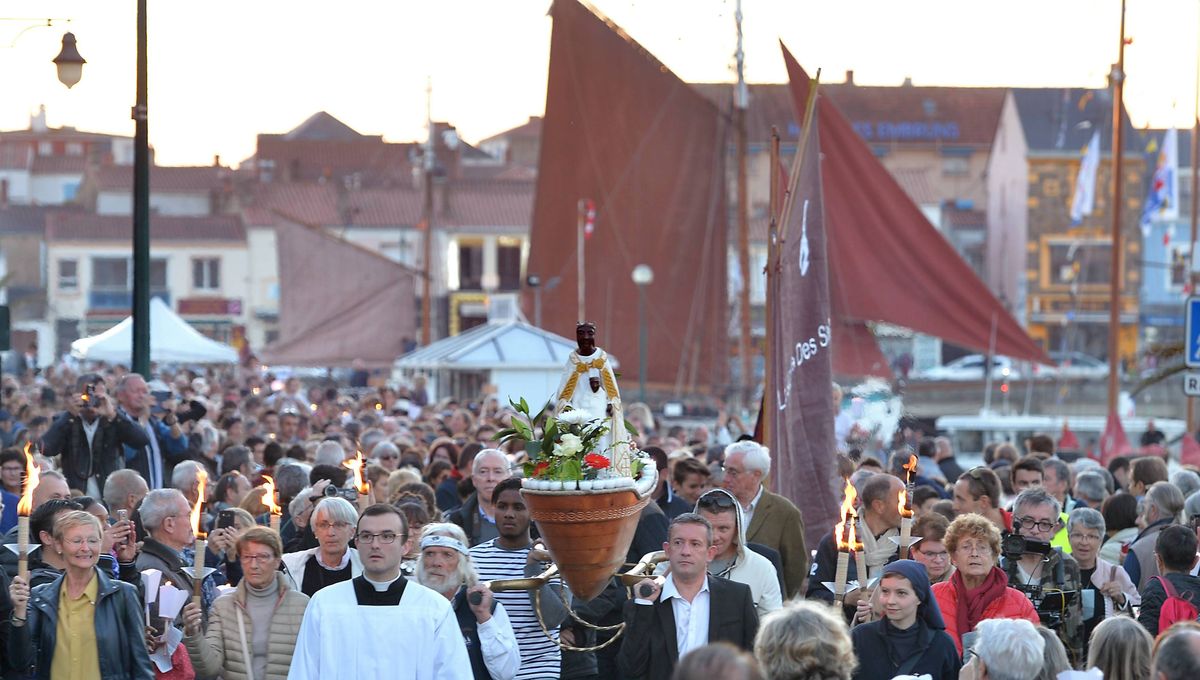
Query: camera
(349, 494)
(1013, 545)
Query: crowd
(1027, 566)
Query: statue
(598, 396)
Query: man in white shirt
(688, 609)
(348, 624)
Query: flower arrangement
(566, 448)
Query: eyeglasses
(720, 501)
(1039, 525)
(77, 542)
(974, 549)
(260, 557)
(13, 468)
(386, 538)
(326, 526)
(1079, 537)
(942, 555)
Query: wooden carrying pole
(1116, 275)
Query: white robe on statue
(418, 639)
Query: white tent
(520, 359)
(172, 341)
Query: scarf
(972, 603)
(877, 551)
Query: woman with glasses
(911, 637)
(83, 624)
(978, 589)
(333, 560)
(931, 550)
(251, 630)
(1111, 588)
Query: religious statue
(598, 396)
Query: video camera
(1051, 602)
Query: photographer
(89, 437)
(1049, 578)
(168, 445)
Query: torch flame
(355, 465)
(25, 505)
(905, 510)
(202, 477)
(844, 530)
(911, 465)
(269, 496)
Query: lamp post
(643, 276)
(141, 208)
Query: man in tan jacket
(771, 519)
(258, 621)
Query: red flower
(596, 461)
(540, 468)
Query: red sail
(886, 261)
(625, 132)
(339, 302)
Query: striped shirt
(541, 658)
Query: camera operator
(90, 436)
(1049, 578)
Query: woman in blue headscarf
(911, 638)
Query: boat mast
(741, 97)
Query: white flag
(1085, 182)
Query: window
(1087, 264)
(1178, 267)
(116, 273)
(158, 274)
(110, 272)
(956, 166)
(508, 261)
(74, 149)
(45, 148)
(470, 266)
(68, 274)
(206, 273)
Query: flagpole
(789, 198)
(1191, 401)
(1115, 274)
(768, 400)
(581, 209)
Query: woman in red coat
(978, 589)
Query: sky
(223, 71)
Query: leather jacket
(120, 638)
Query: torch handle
(906, 524)
(198, 569)
(23, 547)
(839, 583)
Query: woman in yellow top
(82, 625)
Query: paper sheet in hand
(162, 655)
(151, 578)
(1089, 604)
(171, 601)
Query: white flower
(568, 445)
(575, 417)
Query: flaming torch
(269, 501)
(905, 504)
(24, 509)
(355, 465)
(843, 534)
(201, 542)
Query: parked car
(1075, 365)
(970, 367)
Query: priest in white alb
(379, 625)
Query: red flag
(1068, 441)
(1114, 442)
(1189, 450)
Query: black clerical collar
(367, 596)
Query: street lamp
(69, 62)
(643, 276)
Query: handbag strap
(245, 647)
